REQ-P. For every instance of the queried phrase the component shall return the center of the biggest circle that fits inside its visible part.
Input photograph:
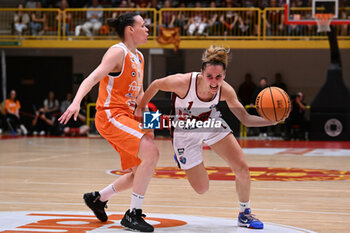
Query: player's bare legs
(198, 178)
(229, 150)
(149, 155)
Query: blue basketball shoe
(247, 219)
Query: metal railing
(194, 23)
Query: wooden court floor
(51, 174)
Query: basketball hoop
(323, 21)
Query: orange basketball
(273, 103)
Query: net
(323, 22)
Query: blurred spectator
(38, 25)
(278, 82)
(344, 28)
(168, 17)
(44, 121)
(68, 17)
(21, 20)
(246, 90)
(94, 21)
(231, 21)
(65, 103)
(123, 4)
(181, 20)
(274, 20)
(262, 85)
(143, 3)
(13, 119)
(294, 29)
(156, 4)
(30, 4)
(51, 105)
(249, 25)
(198, 22)
(213, 23)
(296, 124)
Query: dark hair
(122, 22)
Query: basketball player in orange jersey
(196, 97)
(121, 87)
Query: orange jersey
(118, 91)
(12, 106)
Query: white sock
(243, 206)
(136, 201)
(107, 193)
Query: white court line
(178, 206)
(52, 168)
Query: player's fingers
(76, 115)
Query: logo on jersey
(182, 160)
(129, 95)
(133, 86)
(181, 150)
(152, 120)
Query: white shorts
(188, 145)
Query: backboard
(303, 12)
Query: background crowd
(43, 119)
(190, 23)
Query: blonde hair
(215, 56)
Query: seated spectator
(38, 25)
(13, 119)
(213, 23)
(65, 103)
(94, 21)
(168, 17)
(51, 105)
(68, 17)
(231, 21)
(296, 124)
(44, 121)
(21, 20)
(274, 21)
(198, 22)
(182, 19)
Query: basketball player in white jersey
(196, 95)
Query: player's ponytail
(122, 22)
(215, 56)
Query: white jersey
(204, 125)
(191, 107)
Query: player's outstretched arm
(112, 61)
